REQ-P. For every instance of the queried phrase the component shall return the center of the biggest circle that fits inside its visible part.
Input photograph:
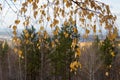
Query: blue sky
(7, 16)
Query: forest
(60, 40)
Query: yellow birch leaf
(48, 18)
(77, 53)
(14, 32)
(66, 34)
(87, 31)
(42, 28)
(70, 19)
(26, 23)
(63, 13)
(18, 41)
(14, 27)
(113, 54)
(89, 16)
(82, 20)
(45, 35)
(75, 30)
(29, 1)
(36, 1)
(65, 1)
(68, 4)
(38, 47)
(23, 9)
(25, 4)
(14, 0)
(94, 28)
(57, 2)
(55, 22)
(25, 31)
(27, 35)
(35, 13)
(34, 5)
(19, 53)
(44, 5)
(53, 44)
(17, 21)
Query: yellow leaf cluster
(74, 65)
(45, 35)
(94, 28)
(14, 32)
(19, 53)
(14, 0)
(26, 33)
(68, 3)
(43, 12)
(14, 39)
(65, 1)
(35, 6)
(87, 31)
(48, 18)
(18, 41)
(38, 45)
(55, 22)
(66, 34)
(113, 54)
(75, 30)
(55, 32)
(42, 28)
(36, 1)
(35, 13)
(82, 20)
(63, 13)
(25, 4)
(90, 16)
(57, 2)
(74, 43)
(26, 23)
(17, 21)
(66, 23)
(30, 1)
(14, 28)
(53, 44)
(78, 52)
(23, 10)
(70, 19)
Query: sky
(7, 16)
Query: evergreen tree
(63, 54)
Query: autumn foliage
(88, 15)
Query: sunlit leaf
(17, 21)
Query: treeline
(44, 57)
